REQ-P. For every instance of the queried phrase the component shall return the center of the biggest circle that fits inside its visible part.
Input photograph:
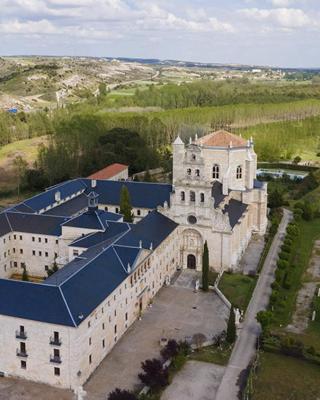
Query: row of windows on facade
(40, 240)
(192, 196)
(46, 253)
(216, 172)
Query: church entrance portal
(191, 262)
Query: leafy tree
(275, 199)
(231, 328)
(170, 350)
(296, 160)
(20, 166)
(125, 205)
(205, 267)
(25, 275)
(119, 394)
(264, 318)
(154, 376)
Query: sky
(280, 33)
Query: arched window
(183, 196)
(192, 197)
(197, 172)
(189, 171)
(201, 197)
(216, 171)
(239, 172)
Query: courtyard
(178, 313)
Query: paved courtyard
(196, 381)
(251, 257)
(177, 313)
(18, 389)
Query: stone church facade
(216, 198)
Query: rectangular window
(33, 238)
(39, 239)
(57, 371)
(56, 353)
(103, 343)
(20, 237)
(46, 254)
(33, 252)
(46, 240)
(115, 329)
(21, 251)
(23, 364)
(90, 359)
(90, 341)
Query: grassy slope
(27, 148)
(284, 378)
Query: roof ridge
(92, 259)
(6, 214)
(68, 308)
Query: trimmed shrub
(284, 255)
(282, 264)
(286, 248)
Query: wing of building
(57, 329)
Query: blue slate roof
(143, 195)
(152, 229)
(113, 230)
(70, 207)
(33, 223)
(97, 220)
(72, 293)
(47, 198)
(235, 211)
(34, 301)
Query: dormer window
(216, 171)
(239, 172)
(189, 171)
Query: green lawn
(238, 288)
(212, 354)
(27, 148)
(286, 378)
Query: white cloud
(281, 3)
(284, 17)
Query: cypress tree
(231, 329)
(205, 267)
(125, 205)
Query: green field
(285, 378)
(238, 289)
(27, 148)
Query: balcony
(55, 341)
(55, 359)
(21, 335)
(21, 353)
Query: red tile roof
(222, 139)
(109, 171)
